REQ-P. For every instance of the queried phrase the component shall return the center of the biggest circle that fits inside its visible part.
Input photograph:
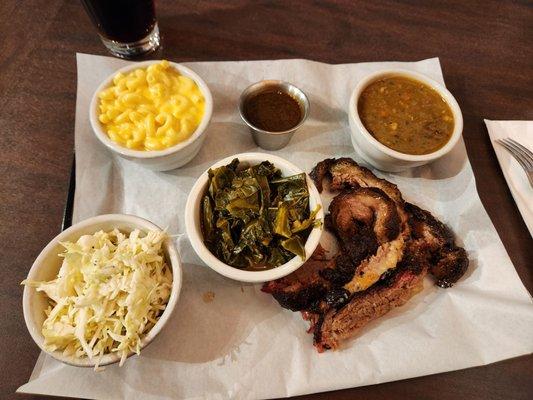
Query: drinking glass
(128, 28)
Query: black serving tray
(69, 206)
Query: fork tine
(516, 156)
(527, 153)
(518, 150)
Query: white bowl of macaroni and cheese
(154, 113)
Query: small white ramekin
(158, 160)
(47, 265)
(383, 157)
(194, 230)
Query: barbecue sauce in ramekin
(273, 111)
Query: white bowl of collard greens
(249, 230)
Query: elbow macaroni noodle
(151, 109)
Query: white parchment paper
(243, 344)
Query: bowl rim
(142, 154)
(111, 358)
(256, 88)
(439, 88)
(196, 239)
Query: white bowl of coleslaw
(157, 160)
(48, 263)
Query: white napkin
(522, 132)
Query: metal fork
(520, 154)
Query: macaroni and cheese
(152, 108)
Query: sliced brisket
(386, 247)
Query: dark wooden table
(484, 48)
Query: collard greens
(253, 218)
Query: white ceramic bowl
(47, 265)
(158, 160)
(383, 157)
(194, 230)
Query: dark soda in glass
(123, 24)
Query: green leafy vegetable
(298, 226)
(294, 245)
(281, 223)
(208, 220)
(255, 219)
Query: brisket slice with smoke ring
(336, 325)
(366, 222)
(369, 207)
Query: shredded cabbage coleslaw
(109, 292)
